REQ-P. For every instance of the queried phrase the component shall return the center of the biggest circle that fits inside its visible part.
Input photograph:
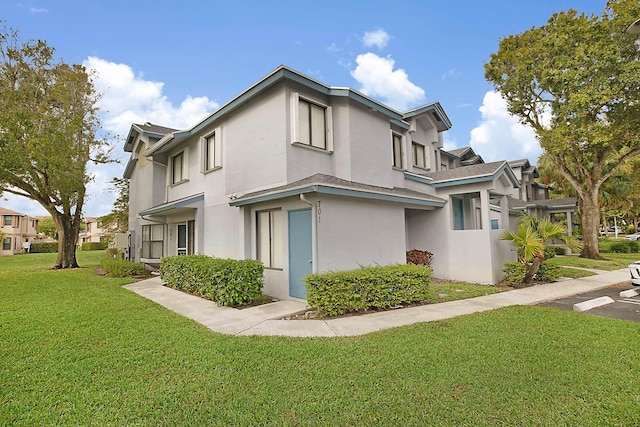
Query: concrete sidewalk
(263, 319)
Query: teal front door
(300, 252)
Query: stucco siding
(353, 233)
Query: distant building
(93, 231)
(18, 230)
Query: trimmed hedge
(121, 267)
(93, 246)
(113, 253)
(341, 292)
(547, 273)
(227, 282)
(44, 248)
(514, 273)
(624, 247)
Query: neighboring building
(312, 178)
(93, 231)
(19, 230)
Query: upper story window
(419, 155)
(8, 220)
(311, 123)
(212, 153)
(177, 168)
(396, 141)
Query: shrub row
(551, 251)
(121, 267)
(624, 247)
(228, 282)
(93, 246)
(418, 257)
(515, 272)
(368, 287)
(44, 247)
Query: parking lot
(622, 308)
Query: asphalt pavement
(625, 308)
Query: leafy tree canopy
(48, 125)
(576, 82)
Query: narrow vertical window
(419, 155)
(210, 152)
(6, 244)
(312, 124)
(269, 238)
(177, 168)
(7, 219)
(397, 151)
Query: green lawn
(612, 261)
(78, 349)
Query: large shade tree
(48, 125)
(576, 82)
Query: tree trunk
(533, 269)
(590, 216)
(67, 238)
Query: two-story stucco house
(93, 231)
(18, 231)
(308, 177)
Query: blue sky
(173, 62)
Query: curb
(592, 303)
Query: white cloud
(127, 98)
(378, 38)
(377, 78)
(33, 9)
(500, 136)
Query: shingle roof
(459, 151)
(472, 171)
(334, 182)
(546, 204)
(5, 211)
(153, 128)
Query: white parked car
(634, 270)
(634, 236)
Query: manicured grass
(610, 262)
(78, 349)
(575, 273)
(451, 291)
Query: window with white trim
(212, 152)
(419, 155)
(152, 241)
(311, 123)
(8, 219)
(396, 141)
(177, 168)
(270, 248)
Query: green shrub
(113, 253)
(418, 257)
(624, 247)
(227, 282)
(549, 252)
(547, 273)
(121, 267)
(93, 246)
(559, 250)
(368, 287)
(514, 273)
(44, 247)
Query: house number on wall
(318, 211)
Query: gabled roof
(549, 204)
(471, 174)
(285, 73)
(459, 152)
(466, 155)
(5, 211)
(147, 129)
(327, 184)
(438, 114)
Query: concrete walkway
(263, 319)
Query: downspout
(314, 234)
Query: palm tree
(530, 238)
